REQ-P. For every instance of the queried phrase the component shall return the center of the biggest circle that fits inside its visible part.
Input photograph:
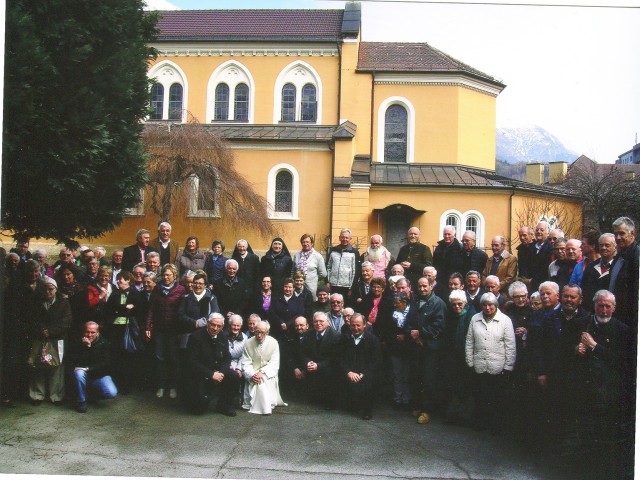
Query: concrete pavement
(138, 435)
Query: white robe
(265, 357)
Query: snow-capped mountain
(530, 144)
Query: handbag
(43, 355)
(131, 340)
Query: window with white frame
(230, 93)
(168, 93)
(471, 220)
(138, 209)
(203, 201)
(298, 93)
(396, 130)
(283, 186)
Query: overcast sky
(575, 71)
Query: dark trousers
(359, 395)
(489, 398)
(201, 392)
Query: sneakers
(160, 393)
(173, 394)
(82, 407)
(424, 418)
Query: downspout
(513, 192)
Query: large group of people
(542, 342)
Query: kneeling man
(260, 363)
(91, 367)
(210, 368)
(359, 360)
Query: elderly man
(252, 322)
(363, 285)
(605, 413)
(424, 325)
(550, 298)
(153, 262)
(472, 284)
(260, 364)
(624, 277)
(91, 367)
(295, 368)
(526, 236)
(540, 253)
(137, 253)
(336, 320)
(359, 360)
(343, 265)
(210, 368)
(414, 256)
(116, 264)
(492, 284)
(502, 264)
(231, 290)
(447, 257)
(164, 245)
(597, 275)
(572, 257)
(318, 358)
(441, 289)
(378, 256)
(473, 258)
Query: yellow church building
(337, 132)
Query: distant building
(630, 157)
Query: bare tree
(608, 192)
(558, 213)
(191, 168)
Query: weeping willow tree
(189, 169)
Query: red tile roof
(411, 57)
(238, 25)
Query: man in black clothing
(414, 256)
(210, 368)
(473, 258)
(447, 257)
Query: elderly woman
(50, 320)
(311, 263)
(138, 275)
(276, 264)
(491, 350)
(375, 304)
(190, 257)
(162, 329)
(214, 266)
(98, 295)
(456, 380)
(248, 270)
(40, 255)
(68, 284)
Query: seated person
(91, 367)
(209, 368)
(260, 363)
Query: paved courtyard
(136, 435)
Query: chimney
(557, 172)
(535, 173)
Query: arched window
(222, 102)
(471, 224)
(157, 101)
(453, 221)
(288, 103)
(241, 107)
(395, 134)
(284, 192)
(309, 104)
(298, 94)
(283, 186)
(175, 102)
(230, 93)
(203, 198)
(169, 92)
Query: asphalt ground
(138, 435)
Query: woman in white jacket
(491, 351)
(311, 263)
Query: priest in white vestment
(260, 363)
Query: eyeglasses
(335, 302)
(198, 283)
(519, 296)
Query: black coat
(131, 256)
(323, 354)
(539, 263)
(232, 297)
(96, 358)
(419, 255)
(208, 355)
(248, 270)
(366, 357)
(285, 312)
(476, 260)
(191, 310)
(448, 258)
(277, 267)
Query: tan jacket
(507, 270)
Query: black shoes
(82, 407)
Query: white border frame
(220, 75)
(154, 72)
(271, 193)
(411, 122)
(288, 75)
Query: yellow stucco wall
(453, 125)
(264, 71)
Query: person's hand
(588, 340)
(217, 377)
(86, 341)
(406, 264)
(400, 337)
(148, 335)
(354, 377)
(520, 331)
(84, 369)
(415, 334)
(542, 381)
(283, 326)
(257, 378)
(129, 306)
(45, 333)
(581, 349)
(299, 374)
(312, 366)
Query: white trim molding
(233, 73)
(167, 73)
(211, 49)
(193, 201)
(456, 80)
(411, 126)
(298, 73)
(271, 192)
